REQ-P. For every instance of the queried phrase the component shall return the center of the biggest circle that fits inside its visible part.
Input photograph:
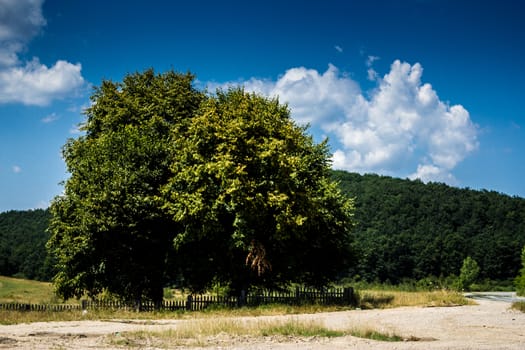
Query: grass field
(15, 290)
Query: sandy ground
(489, 325)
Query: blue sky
(429, 89)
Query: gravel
(489, 325)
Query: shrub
(468, 274)
(520, 280)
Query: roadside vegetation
(204, 332)
(519, 305)
(384, 299)
(23, 291)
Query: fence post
(189, 302)
(138, 304)
(241, 301)
(348, 295)
(84, 304)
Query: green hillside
(22, 244)
(15, 290)
(411, 230)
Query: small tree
(520, 280)
(468, 274)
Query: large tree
(168, 181)
(108, 229)
(251, 193)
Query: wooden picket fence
(39, 307)
(336, 296)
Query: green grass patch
(15, 290)
(299, 329)
(372, 334)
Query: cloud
(400, 128)
(16, 169)
(50, 118)
(338, 48)
(371, 59)
(37, 84)
(30, 83)
(42, 204)
(372, 74)
(20, 20)
(314, 97)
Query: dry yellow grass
(370, 299)
(206, 332)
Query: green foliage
(108, 230)
(252, 194)
(487, 285)
(368, 333)
(169, 184)
(520, 279)
(295, 327)
(411, 230)
(22, 245)
(468, 274)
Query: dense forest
(405, 230)
(411, 230)
(22, 244)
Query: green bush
(520, 280)
(468, 274)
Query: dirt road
(489, 325)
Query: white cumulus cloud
(400, 128)
(31, 83)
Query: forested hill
(22, 244)
(405, 229)
(408, 229)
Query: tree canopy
(108, 229)
(252, 194)
(168, 180)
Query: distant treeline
(405, 230)
(22, 244)
(411, 230)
